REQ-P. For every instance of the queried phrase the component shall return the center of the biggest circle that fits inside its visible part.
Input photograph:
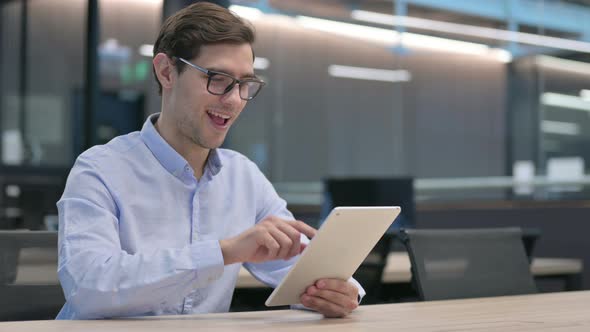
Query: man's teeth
(223, 116)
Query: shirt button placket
(189, 300)
(195, 216)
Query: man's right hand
(270, 239)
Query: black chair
(370, 272)
(530, 236)
(372, 192)
(467, 263)
(28, 301)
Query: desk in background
(40, 267)
(398, 270)
(565, 311)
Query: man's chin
(211, 144)
(211, 147)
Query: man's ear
(164, 69)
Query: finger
(285, 243)
(303, 228)
(293, 228)
(338, 285)
(294, 235)
(269, 242)
(328, 309)
(342, 300)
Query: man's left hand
(334, 298)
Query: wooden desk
(565, 311)
(398, 270)
(398, 267)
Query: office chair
(390, 191)
(467, 263)
(26, 301)
(370, 272)
(530, 236)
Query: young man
(160, 221)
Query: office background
(442, 108)
(484, 104)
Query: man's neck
(195, 155)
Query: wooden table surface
(564, 311)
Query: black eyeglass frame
(211, 73)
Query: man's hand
(334, 298)
(272, 238)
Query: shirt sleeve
(270, 203)
(99, 278)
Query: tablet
(337, 250)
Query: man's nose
(233, 96)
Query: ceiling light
(565, 101)
(560, 128)
(363, 32)
(261, 63)
(550, 62)
(146, 50)
(392, 38)
(472, 30)
(450, 45)
(248, 13)
(371, 74)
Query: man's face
(200, 116)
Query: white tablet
(337, 250)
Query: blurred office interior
(483, 104)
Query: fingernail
(321, 284)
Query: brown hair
(201, 23)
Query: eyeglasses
(219, 83)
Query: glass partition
(474, 100)
(42, 61)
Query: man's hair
(201, 23)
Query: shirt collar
(214, 162)
(172, 161)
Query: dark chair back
(530, 236)
(467, 263)
(370, 272)
(393, 191)
(28, 300)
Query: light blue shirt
(139, 234)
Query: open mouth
(219, 119)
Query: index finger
(303, 228)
